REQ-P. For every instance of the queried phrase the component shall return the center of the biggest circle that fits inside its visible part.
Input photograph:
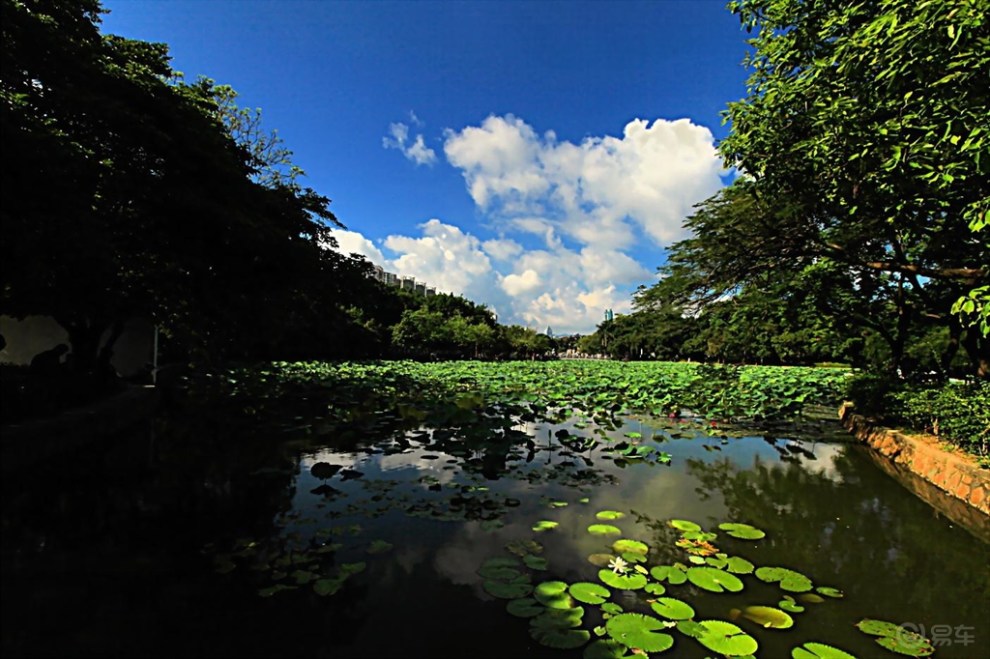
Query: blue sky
(534, 156)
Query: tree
(865, 127)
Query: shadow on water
(353, 522)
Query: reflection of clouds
(346, 460)
(459, 560)
(414, 461)
(827, 457)
(409, 556)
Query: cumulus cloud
(417, 151)
(352, 242)
(599, 190)
(585, 205)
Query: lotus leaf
(719, 563)
(325, 587)
(742, 531)
(726, 639)
(501, 561)
(271, 590)
(819, 651)
(609, 515)
(544, 525)
(535, 562)
(622, 581)
(654, 588)
(633, 557)
(525, 607)
(738, 565)
(562, 639)
(811, 598)
(768, 617)
(790, 580)
(788, 604)
(673, 609)
(672, 574)
(607, 649)
(611, 608)
(379, 547)
(558, 618)
(603, 529)
(600, 560)
(507, 591)
(828, 591)
(714, 580)
(553, 594)
(636, 630)
(589, 593)
(630, 546)
(896, 638)
(684, 525)
(499, 573)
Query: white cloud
(515, 285)
(417, 151)
(352, 242)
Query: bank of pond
(576, 509)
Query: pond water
(200, 537)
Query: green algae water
(481, 529)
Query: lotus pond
(580, 509)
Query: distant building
(431, 291)
(549, 331)
(407, 283)
(420, 288)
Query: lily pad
(828, 591)
(535, 562)
(523, 547)
(600, 560)
(742, 531)
(738, 565)
(896, 638)
(672, 574)
(630, 546)
(545, 525)
(561, 639)
(788, 604)
(819, 651)
(672, 609)
(589, 593)
(553, 595)
(633, 581)
(684, 525)
(655, 588)
(768, 617)
(558, 618)
(811, 598)
(379, 547)
(726, 639)
(611, 608)
(790, 580)
(507, 591)
(525, 607)
(636, 630)
(716, 581)
(604, 529)
(499, 573)
(501, 561)
(607, 649)
(325, 587)
(609, 515)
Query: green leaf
(535, 562)
(325, 587)
(630, 546)
(742, 531)
(544, 525)
(819, 651)
(672, 574)
(633, 581)
(714, 580)
(790, 580)
(561, 639)
(607, 649)
(726, 639)
(768, 617)
(589, 593)
(673, 609)
(499, 573)
(738, 565)
(684, 525)
(524, 607)
(558, 618)
(604, 529)
(654, 588)
(828, 591)
(553, 594)
(608, 515)
(636, 630)
(507, 591)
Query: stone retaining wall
(955, 473)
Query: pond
(209, 534)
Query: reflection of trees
(858, 529)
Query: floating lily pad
(768, 617)
(545, 525)
(738, 565)
(558, 504)
(600, 560)
(525, 607)
(535, 562)
(501, 561)
(507, 591)
(499, 573)
(896, 638)
(672, 609)
(633, 581)
(561, 639)
(742, 531)
(379, 547)
(604, 529)
(790, 580)
(819, 651)
(654, 588)
(684, 525)
(716, 562)
(589, 593)
(523, 547)
(325, 587)
(553, 594)
(714, 580)
(788, 604)
(811, 598)
(607, 649)
(636, 630)
(277, 588)
(611, 608)
(828, 591)
(609, 515)
(630, 546)
(726, 639)
(558, 618)
(633, 557)
(672, 574)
